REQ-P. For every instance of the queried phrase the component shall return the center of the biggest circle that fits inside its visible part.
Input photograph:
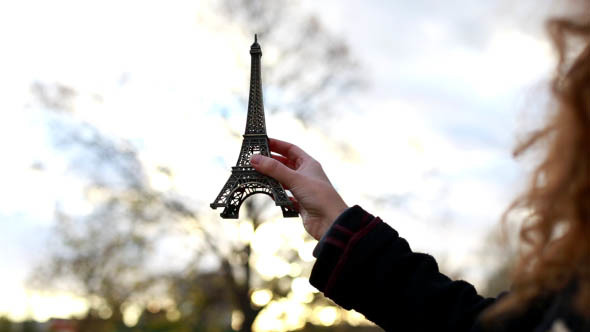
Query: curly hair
(555, 235)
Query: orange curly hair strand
(555, 235)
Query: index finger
(291, 151)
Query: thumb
(274, 169)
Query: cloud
(435, 131)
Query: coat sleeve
(363, 264)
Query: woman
(363, 264)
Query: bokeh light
(122, 121)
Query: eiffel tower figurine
(244, 180)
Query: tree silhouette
(109, 256)
(313, 68)
(500, 251)
(5, 325)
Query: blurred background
(120, 122)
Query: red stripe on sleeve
(344, 257)
(335, 242)
(343, 229)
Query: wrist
(335, 211)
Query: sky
(451, 85)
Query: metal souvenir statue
(244, 180)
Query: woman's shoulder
(553, 312)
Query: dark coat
(363, 264)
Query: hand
(315, 198)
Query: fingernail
(255, 159)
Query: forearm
(364, 265)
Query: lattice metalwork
(244, 180)
(255, 123)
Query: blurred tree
(500, 251)
(5, 325)
(29, 326)
(311, 69)
(110, 256)
(499, 280)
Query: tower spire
(255, 125)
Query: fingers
(295, 203)
(275, 169)
(291, 151)
(285, 161)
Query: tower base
(246, 181)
